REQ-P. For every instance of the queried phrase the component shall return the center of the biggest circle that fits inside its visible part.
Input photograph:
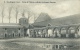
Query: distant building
(66, 27)
(12, 30)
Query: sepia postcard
(39, 24)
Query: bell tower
(24, 22)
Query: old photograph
(39, 24)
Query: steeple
(23, 14)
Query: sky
(58, 9)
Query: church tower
(24, 22)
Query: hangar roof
(68, 20)
(43, 17)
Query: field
(39, 44)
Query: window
(56, 46)
(5, 28)
(25, 20)
(19, 28)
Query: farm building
(66, 27)
(10, 30)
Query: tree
(10, 9)
(16, 14)
(23, 13)
(29, 15)
(35, 17)
(2, 13)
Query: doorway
(25, 32)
